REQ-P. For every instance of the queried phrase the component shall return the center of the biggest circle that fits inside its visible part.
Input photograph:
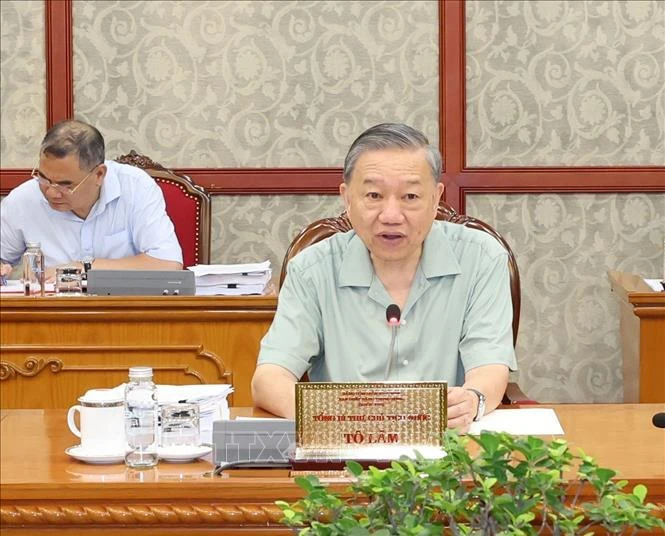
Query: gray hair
(71, 137)
(390, 136)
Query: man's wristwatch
(481, 403)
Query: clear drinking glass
(68, 281)
(180, 425)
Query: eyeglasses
(62, 188)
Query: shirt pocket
(117, 245)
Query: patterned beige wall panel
(561, 83)
(569, 347)
(253, 84)
(256, 228)
(22, 82)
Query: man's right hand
(5, 269)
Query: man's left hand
(462, 408)
(49, 274)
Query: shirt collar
(357, 269)
(110, 189)
(437, 260)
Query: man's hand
(49, 274)
(462, 408)
(5, 269)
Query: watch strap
(481, 403)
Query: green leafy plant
(517, 486)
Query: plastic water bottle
(141, 419)
(33, 269)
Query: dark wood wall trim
(443, 92)
(553, 180)
(59, 62)
(327, 180)
(10, 178)
(459, 179)
(234, 181)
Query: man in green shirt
(451, 283)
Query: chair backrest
(326, 227)
(187, 204)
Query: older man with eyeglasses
(84, 209)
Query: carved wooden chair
(187, 204)
(326, 227)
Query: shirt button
(405, 362)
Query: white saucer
(87, 456)
(180, 454)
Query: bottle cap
(140, 372)
(33, 244)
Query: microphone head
(393, 314)
(659, 420)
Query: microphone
(393, 315)
(659, 420)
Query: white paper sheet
(240, 290)
(528, 421)
(655, 284)
(15, 286)
(205, 269)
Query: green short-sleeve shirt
(331, 314)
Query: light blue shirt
(331, 315)
(129, 218)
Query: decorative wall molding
(32, 366)
(459, 179)
(42, 356)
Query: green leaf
(604, 474)
(525, 518)
(354, 468)
(306, 483)
(640, 491)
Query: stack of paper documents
(211, 398)
(231, 279)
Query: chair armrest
(515, 395)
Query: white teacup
(102, 421)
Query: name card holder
(371, 423)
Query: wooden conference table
(53, 349)
(42, 488)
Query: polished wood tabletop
(43, 487)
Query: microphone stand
(394, 324)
